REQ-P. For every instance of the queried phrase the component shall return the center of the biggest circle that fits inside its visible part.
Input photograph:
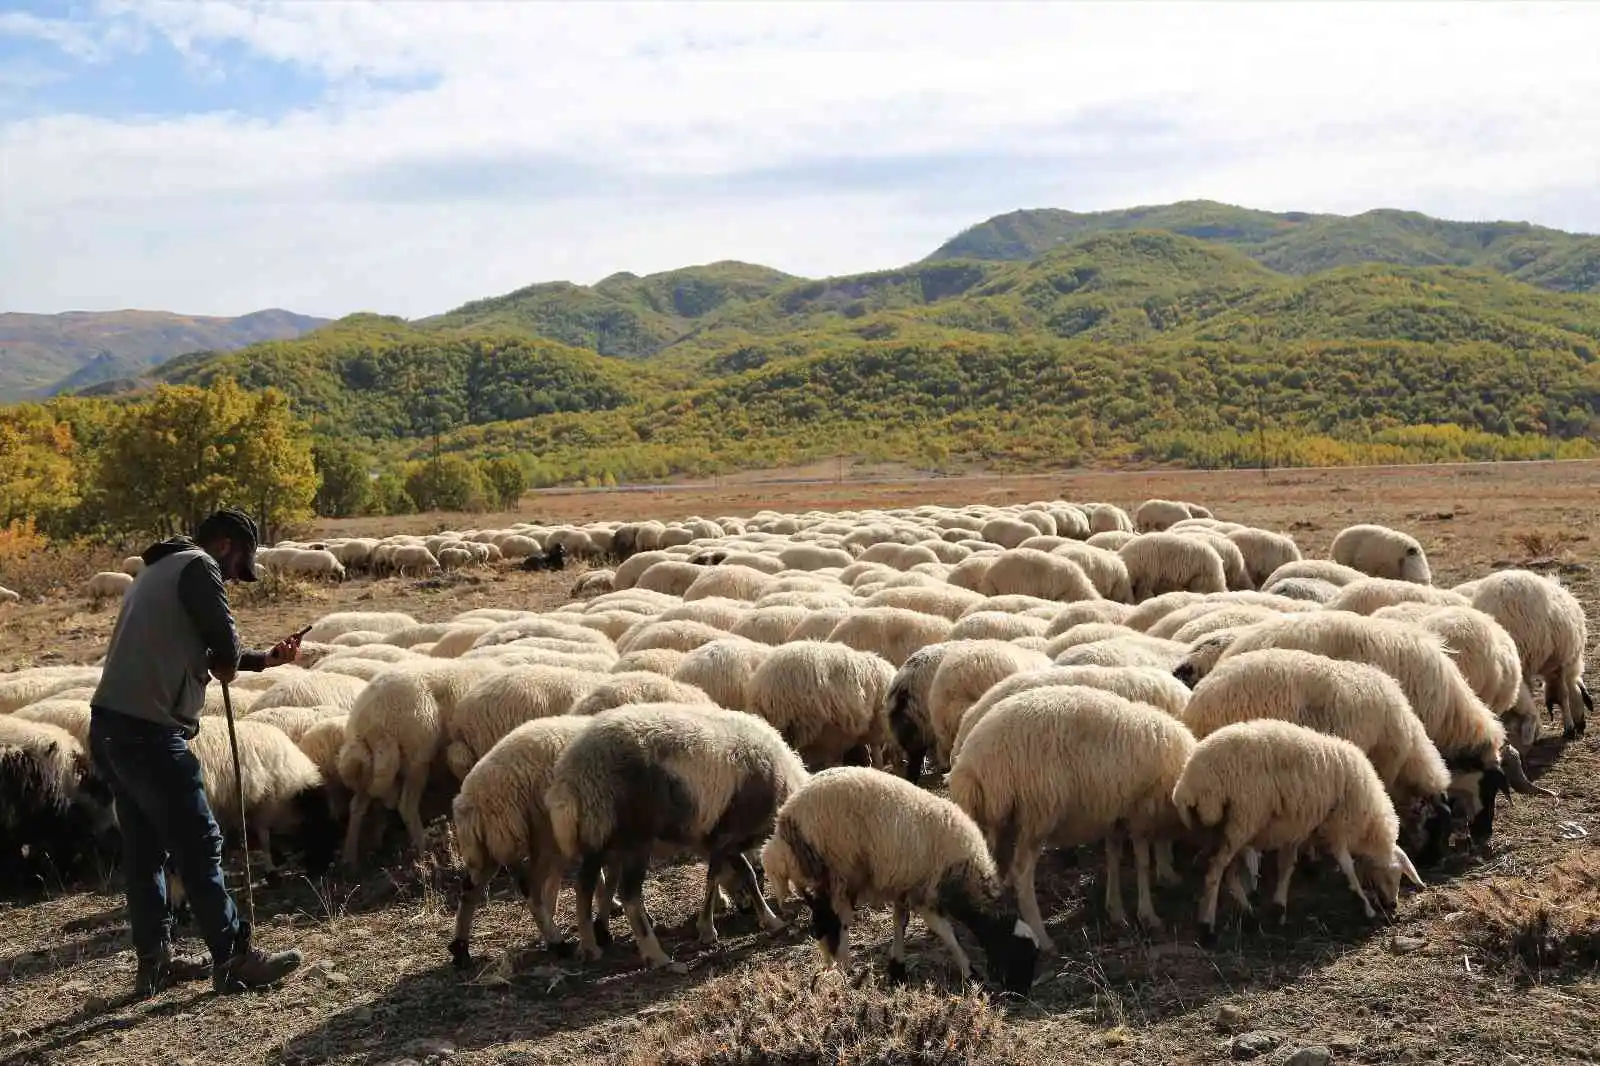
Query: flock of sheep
(769, 694)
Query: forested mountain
(1295, 242)
(45, 354)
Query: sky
(214, 157)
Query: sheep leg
(1341, 855)
(359, 802)
(1141, 869)
(472, 892)
(897, 947)
(1288, 855)
(1028, 896)
(1114, 878)
(1213, 885)
(411, 806)
(942, 930)
(704, 921)
(1574, 720)
(588, 885)
(1252, 866)
(269, 866)
(739, 866)
(845, 915)
(1166, 873)
(631, 883)
(544, 885)
(1236, 890)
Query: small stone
(1229, 1018)
(1344, 1043)
(1408, 945)
(1315, 1055)
(432, 1047)
(1249, 1046)
(338, 980)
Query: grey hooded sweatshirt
(174, 627)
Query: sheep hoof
(589, 952)
(897, 972)
(562, 949)
(1119, 918)
(1207, 935)
(1570, 733)
(1151, 922)
(708, 938)
(459, 953)
(1274, 914)
(602, 934)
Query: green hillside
(1122, 346)
(624, 315)
(1300, 243)
(45, 354)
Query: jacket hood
(171, 546)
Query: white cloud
(463, 150)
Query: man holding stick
(175, 628)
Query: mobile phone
(302, 632)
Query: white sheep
(1310, 589)
(1071, 766)
(1547, 623)
(70, 714)
(891, 632)
(679, 635)
(1105, 568)
(311, 688)
(697, 777)
(107, 585)
(1111, 539)
(827, 699)
(1233, 566)
(1263, 552)
(414, 560)
(1276, 785)
(1108, 518)
(1029, 572)
(1088, 611)
(500, 820)
(330, 627)
(946, 601)
(1353, 700)
(394, 736)
(636, 686)
(724, 670)
(1133, 650)
(969, 670)
(770, 625)
(654, 660)
(295, 722)
(313, 563)
(133, 565)
(1172, 562)
(31, 686)
(998, 625)
(851, 837)
(1153, 516)
(1371, 594)
(1379, 551)
(1139, 684)
(1469, 736)
(1482, 650)
(283, 789)
(968, 573)
(729, 581)
(499, 703)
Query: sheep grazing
(891, 632)
(640, 686)
(825, 699)
(107, 585)
(500, 820)
(1070, 766)
(284, 791)
(1153, 516)
(1276, 785)
(906, 705)
(1379, 551)
(499, 703)
(1547, 624)
(1346, 699)
(852, 836)
(1140, 684)
(329, 628)
(319, 688)
(1263, 552)
(1105, 568)
(1030, 572)
(1309, 589)
(54, 812)
(1076, 614)
(550, 559)
(594, 583)
(7, 596)
(1485, 654)
(723, 670)
(963, 676)
(1372, 594)
(689, 776)
(1468, 735)
(1172, 562)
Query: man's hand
(225, 674)
(284, 652)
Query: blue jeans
(162, 809)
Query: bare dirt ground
(1497, 961)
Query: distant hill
(1295, 242)
(46, 354)
(1122, 344)
(623, 315)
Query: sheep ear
(1406, 868)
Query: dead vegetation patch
(1532, 924)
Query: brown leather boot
(167, 969)
(252, 968)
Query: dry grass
(1490, 964)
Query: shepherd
(176, 630)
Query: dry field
(1497, 961)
